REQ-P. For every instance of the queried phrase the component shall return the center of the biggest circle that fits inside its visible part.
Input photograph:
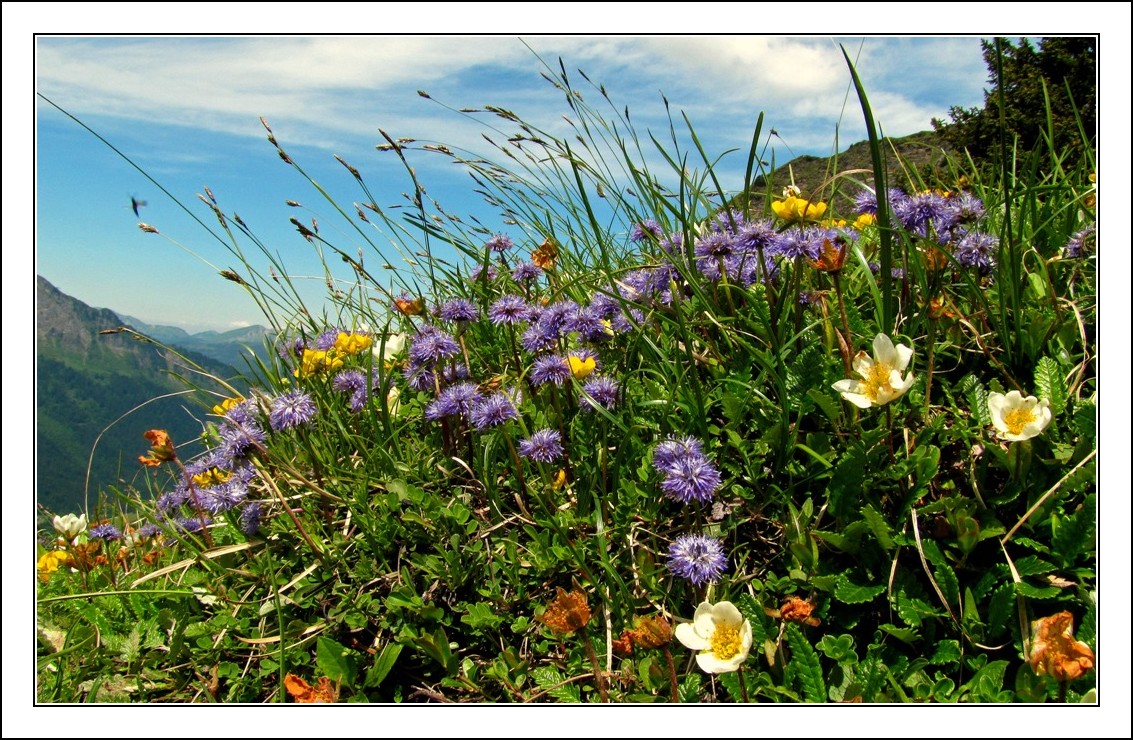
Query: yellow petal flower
(580, 367)
(349, 344)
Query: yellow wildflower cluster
(798, 209)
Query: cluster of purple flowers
(429, 348)
(949, 220)
(689, 474)
(697, 558)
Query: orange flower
(833, 255)
(324, 692)
(653, 631)
(1055, 652)
(567, 613)
(409, 306)
(795, 610)
(544, 257)
(161, 448)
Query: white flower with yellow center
(882, 379)
(720, 634)
(1017, 418)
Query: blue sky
(186, 110)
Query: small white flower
(1017, 418)
(720, 634)
(392, 347)
(393, 400)
(69, 525)
(882, 380)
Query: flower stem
(599, 678)
(673, 687)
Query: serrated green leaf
(851, 593)
(1037, 592)
(689, 689)
(336, 662)
(805, 665)
(976, 395)
(1086, 420)
(947, 651)
(1050, 384)
(481, 615)
(1032, 565)
(548, 679)
(825, 402)
(880, 528)
(906, 635)
(731, 684)
(988, 681)
(1031, 544)
(912, 610)
(754, 614)
(845, 486)
(1000, 608)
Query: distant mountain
(909, 160)
(230, 347)
(86, 381)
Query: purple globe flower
(550, 369)
(250, 518)
(697, 558)
(292, 410)
(500, 243)
(600, 391)
(459, 309)
(644, 230)
(105, 532)
(673, 449)
(1081, 243)
(511, 309)
(456, 400)
(977, 250)
(349, 381)
(544, 446)
(430, 346)
(691, 478)
(525, 271)
(493, 411)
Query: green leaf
(1037, 592)
(1032, 565)
(826, 402)
(481, 615)
(548, 679)
(805, 666)
(851, 593)
(1086, 420)
(1075, 533)
(1000, 608)
(880, 528)
(986, 684)
(906, 635)
(839, 649)
(845, 487)
(1051, 385)
(942, 572)
(912, 610)
(754, 614)
(689, 689)
(383, 665)
(947, 651)
(976, 395)
(336, 662)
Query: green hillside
(86, 381)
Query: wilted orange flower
(544, 257)
(648, 632)
(409, 306)
(832, 257)
(796, 610)
(567, 613)
(1055, 652)
(161, 448)
(304, 693)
